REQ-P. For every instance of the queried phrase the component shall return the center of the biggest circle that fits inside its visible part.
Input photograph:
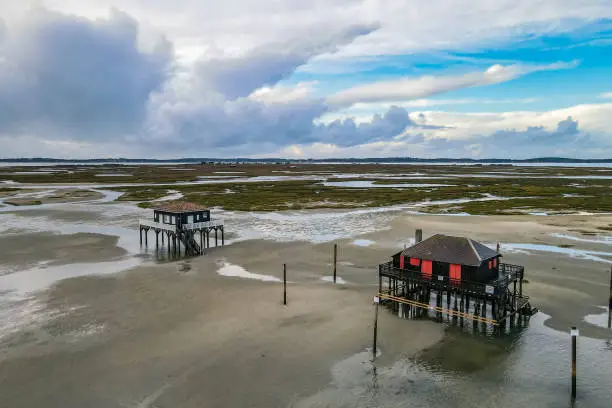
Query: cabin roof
(454, 250)
(180, 207)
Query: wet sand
(176, 334)
(171, 337)
(20, 251)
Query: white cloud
(237, 26)
(606, 95)
(104, 84)
(283, 94)
(412, 88)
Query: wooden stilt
(222, 237)
(216, 238)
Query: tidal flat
(88, 317)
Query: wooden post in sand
(376, 301)
(574, 335)
(610, 302)
(285, 284)
(335, 259)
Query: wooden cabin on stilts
(455, 277)
(182, 224)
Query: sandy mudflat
(20, 251)
(194, 339)
(177, 334)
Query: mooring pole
(610, 302)
(574, 335)
(335, 259)
(374, 351)
(284, 284)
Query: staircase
(192, 248)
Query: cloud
(62, 74)
(606, 95)
(413, 88)
(267, 65)
(564, 140)
(283, 94)
(98, 85)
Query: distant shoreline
(370, 160)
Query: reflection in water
(526, 367)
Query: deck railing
(192, 226)
(202, 225)
(153, 224)
(508, 274)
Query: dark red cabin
(457, 258)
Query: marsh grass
(533, 188)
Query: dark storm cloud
(60, 74)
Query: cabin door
(455, 274)
(426, 269)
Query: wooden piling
(335, 260)
(156, 238)
(610, 302)
(285, 284)
(140, 236)
(375, 339)
(222, 237)
(574, 335)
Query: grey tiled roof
(455, 250)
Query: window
(415, 261)
(164, 218)
(426, 269)
(495, 263)
(490, 264)
(455, 274)
(401, 261)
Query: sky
(306, 79)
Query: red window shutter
(455, 274)
(415, 261)
(490, 264)
(495, 262)
(426, 269)
(401, 261)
